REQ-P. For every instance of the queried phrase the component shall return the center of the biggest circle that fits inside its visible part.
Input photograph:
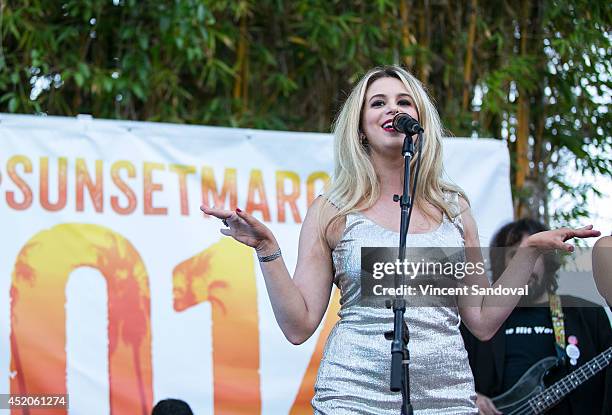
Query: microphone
(405, 124)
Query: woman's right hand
(556, 238)
(245, 229)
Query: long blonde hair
(355, 185)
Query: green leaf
(12, 105)
(164, 24)
(6, 97)
(138, 91)
(143, 41)
(107, 85)
(201, 13)
(79, 79)
(83, 68)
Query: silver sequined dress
(354, 373)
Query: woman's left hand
(556, 238)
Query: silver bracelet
(270, 257)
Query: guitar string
(536, 400)
(546, 403)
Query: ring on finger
(225, 222)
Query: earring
(364, 140)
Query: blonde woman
(358, 210)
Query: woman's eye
(405, 102)
(378, 103)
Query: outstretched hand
(556, 238)
(243, 227)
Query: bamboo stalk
(245, 66)
(240, 93)
(405, 30)
(469, 56)
(423, 65)
(522, 133)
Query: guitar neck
(557, 391)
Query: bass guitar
(529, 396)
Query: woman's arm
(484, 314)
(602, 267)
(299, 303)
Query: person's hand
(244, 228)
(555, 239)
(485, 405)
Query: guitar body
(529, 385)
(529, 396)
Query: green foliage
(280, 64)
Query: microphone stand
(400, 357)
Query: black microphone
(405, 124)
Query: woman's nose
(392, 109)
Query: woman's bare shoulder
(325, 213)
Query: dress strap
(452, 198)
(333, 202)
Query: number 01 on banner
(216, 275)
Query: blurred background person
(171, 407)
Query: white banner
(116, 290)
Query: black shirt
(529, 338)
(584, 320)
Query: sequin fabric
(354, 372)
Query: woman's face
(384, 98)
